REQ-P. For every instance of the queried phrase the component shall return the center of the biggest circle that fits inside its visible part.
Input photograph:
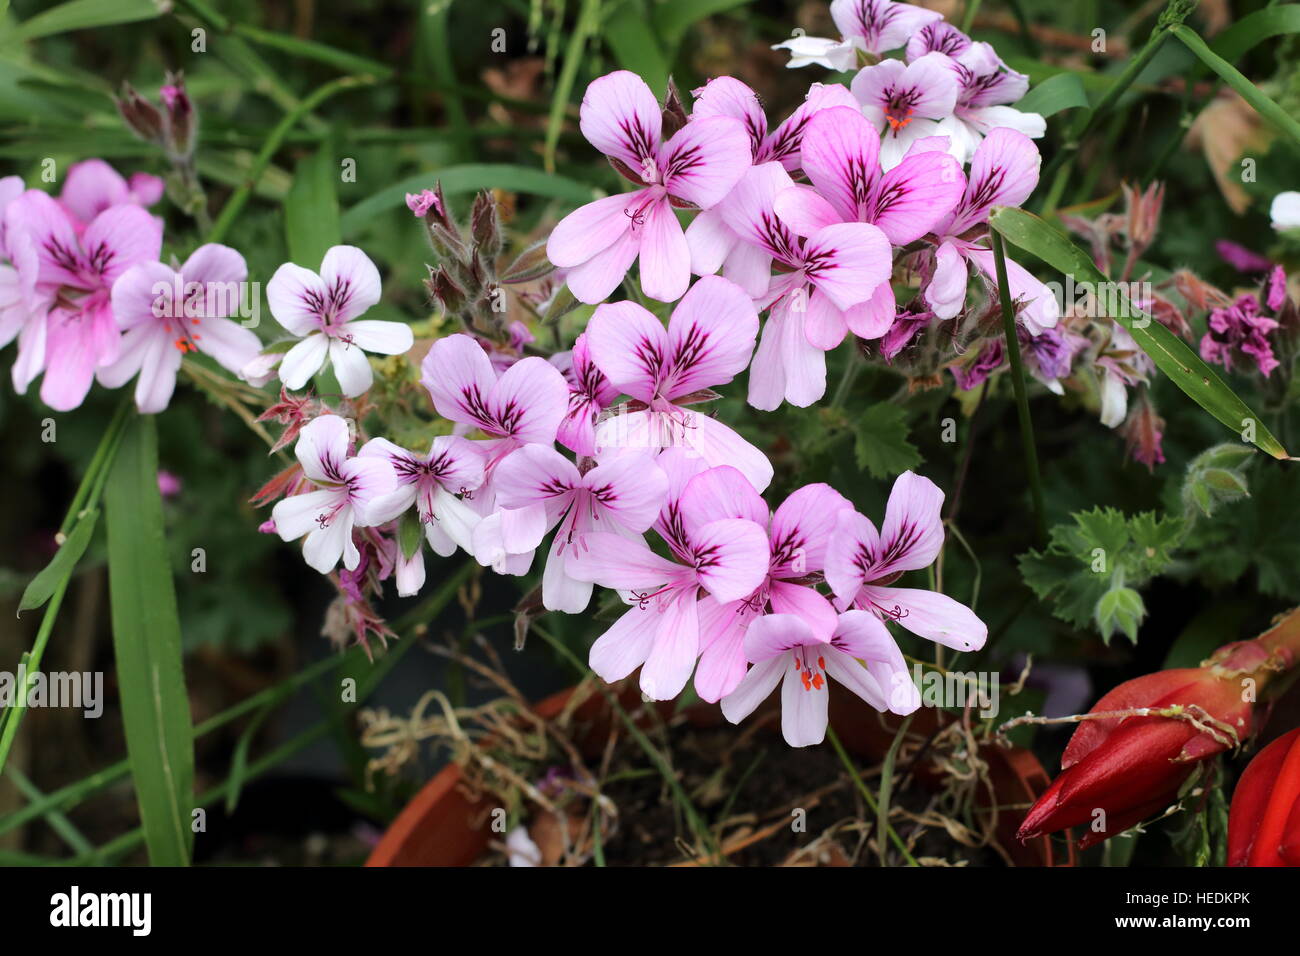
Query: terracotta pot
(442, 826)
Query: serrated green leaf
(1120, 609)
(62, 565)
(1183, 366)
(147, 646)
(880, 442)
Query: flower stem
(871, 802)
(1018, 383)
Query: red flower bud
(1264, 822)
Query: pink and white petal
(803, 710)
(710, 336)
(823, 322)
(732, 557)
(851, 260)
(629, 490)
(915, 195)
(727, 96)
(408, 573)
(936, 79)
(672, 656)
(861, 635)
(722, 648)
(1003, 172)
(144, 295)
(875, 317)
(931, 615)
(535, 474)
(294, 295)
(214, 263)
(159, 363)
(785, 143)
(592, 281)
(612, 561)
(50, 232)
(1039, 309)
(747, 209)
(31, 352)
(591, 229)
(560, 592)
(805, 604)
(665, 256)
(870, 86)
(804, 210)
(353, 280)
(850, 551)
(135, 343)
(145, 189)
(351, 367)
(626, 645)
(630, 346)
(802, 526)
(912, 534)
(370, 481)
(854, 677)
(710, 241)
(441, 542)
(705, 159)
(70, 362)
(620, 116)
(786, 366)
(946, 292)
(119, 238)
(232, 345)
(717, 444)
(988, 118)
(459, 377)
(456, 519)
(720, 492)
(382, 338)
(322, 448)
(530, 399)
(841, 151)
(461, 463)
(90, 187)
(323, 547)
(749, 267)
(753, 689)
(299, 514)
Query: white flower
(822, 51)
(1285, 211)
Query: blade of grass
(147, 645)
(60, 824)
(311, 210)
(588, 23)
(1172, 356)
(1018, 384)
(887, 786)
(867, 795)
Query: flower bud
(1264, 821)
(140, 116)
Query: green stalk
(887, 785)
(587, 25)
(867, 796)
(1018, 383)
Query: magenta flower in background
(166, 314)
(727, 557)
(787, 650)
(824, 276)
(862, 563)
(1003, 172)
(322, 310)
(346, 488)
(71, 331)
(17, 286)
(622, 496)
(709, 340)
(1241, 332)
(698, 166)
(905, 102)
(590, 393)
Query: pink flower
(711, 241)
(322, 310)
(797, 534)
(166, 313)
(698, 166)
(590, 393)
(17, 287)
(824, 276)
(1240, 332)
(787, 650)
(862, 563)
(621, 497)
(905, 102)
(709, 340)
(878, 26)
(727, 557)
(985, 85)
(346, 490)
(1004, 171)
(420, 203)
(435, 483)
(67, 278)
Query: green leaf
(84, 14)
(410, 532)
(147, 645)
(880, 441)
(634, 47)
(673, 18)
(1120, 609)
(467, 179)
(1248, 91)
(1250, 31)
(587, 25)
(1063, 91)
(311, 210)
(62, 565)
(1183, 366)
